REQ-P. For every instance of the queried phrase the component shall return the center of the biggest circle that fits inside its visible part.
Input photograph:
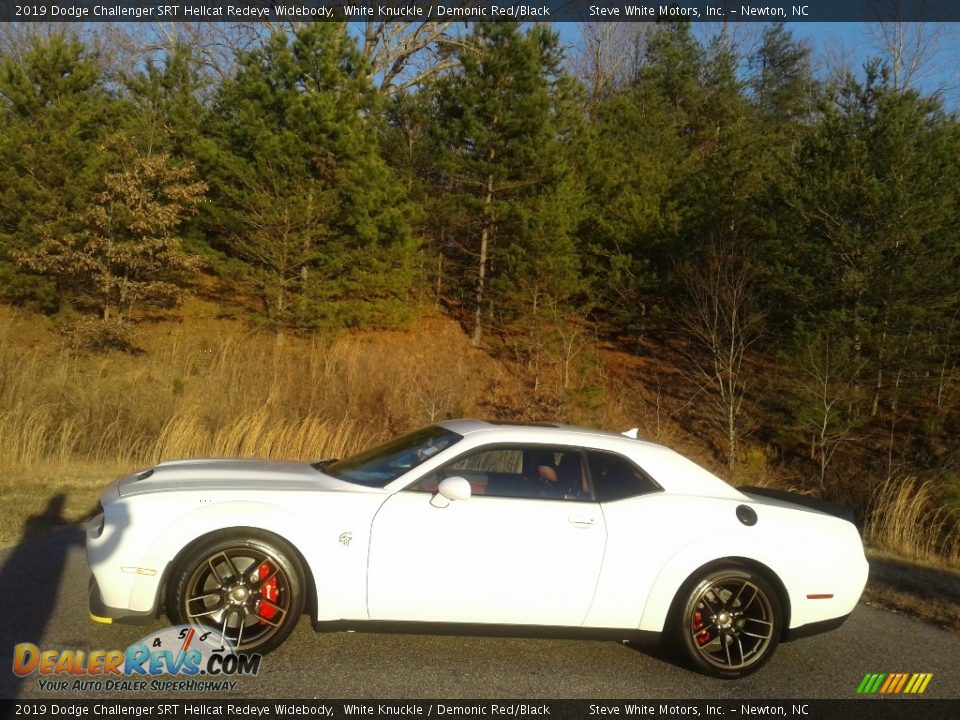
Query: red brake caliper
(269, 591)
(703, 637)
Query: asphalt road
(43, 586)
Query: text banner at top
(479, 10)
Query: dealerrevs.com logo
(182, 651)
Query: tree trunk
(482, 272)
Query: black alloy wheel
(730, 622)
(249, 589)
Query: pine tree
(503, 119)
(874, 200)
(674, 66)
(631, 155)
(646, 154)
(168, 112)
(126, 252)
(54, 114)
(733, 163)
(301, 197)
(783, 86)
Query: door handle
(581, 521)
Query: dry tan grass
(42, 497)
(227, 392)
(211, 389)
(904, 519)
(260, 434)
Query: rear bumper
(100, 612)
(814, 628)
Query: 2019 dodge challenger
(486, 524)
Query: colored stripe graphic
(869, 683)
(894, 683)
(903, 680)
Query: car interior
(557, 473)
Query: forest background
(299, 240)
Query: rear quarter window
(616, 477)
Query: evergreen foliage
(301, 195)
(55, 113)
(126, 251)
(631, 162)
(167, 98)
(782, 85)
(873, 210)
(503, 123)
(491, 188)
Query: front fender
(329, 562)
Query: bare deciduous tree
(128, 251)
(744, 38)
(917, 52)
(723, 322)
(609, 55)
(828, 393)
(214, 46)
(402, 55)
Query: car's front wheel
(729, 622)
(251, 589)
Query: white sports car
(502, 525)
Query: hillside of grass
(207, 384)
(204, 384)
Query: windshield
(384, 464)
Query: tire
(726, 622)
(250, 588)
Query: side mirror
(451, 488)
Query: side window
(522, 472)
(498, 460)
(615, 477)
(489, 471)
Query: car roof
(521, 430)
(675, 472)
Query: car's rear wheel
(251, 589)
(729, 622)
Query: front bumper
(101, 613)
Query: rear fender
(694, 558)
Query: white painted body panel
(500, 560)
(484, 559)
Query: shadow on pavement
(30, 578)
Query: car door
(514, 552)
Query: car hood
(217, 474)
